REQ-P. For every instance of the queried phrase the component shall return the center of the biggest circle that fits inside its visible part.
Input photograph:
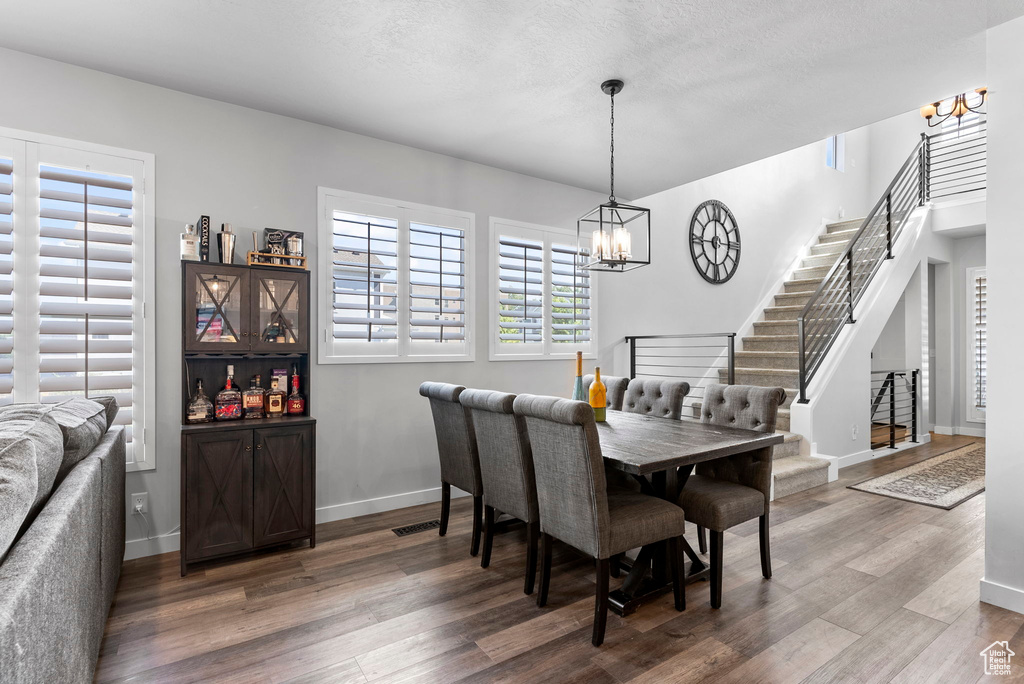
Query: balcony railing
(893, 407)
(955, 160)
(697, 358)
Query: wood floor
(866, 589)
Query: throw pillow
(83, 422)
(30, 449)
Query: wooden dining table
(660, 454)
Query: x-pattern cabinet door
(220, 485)
(278, 310)
(216, 308)
(282, 463)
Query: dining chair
(456, 449)
(728, 491)
(506, 469)
(614, 386)
(658, 398)
(577, 508)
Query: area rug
(944, 481)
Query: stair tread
(766, 354)
(795, 465)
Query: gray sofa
(59, 572)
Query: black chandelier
(614, 236)
(958, 109)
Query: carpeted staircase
(769, 357)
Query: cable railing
(893, 407)
(832, 304)
(955, 160)
(696, 358)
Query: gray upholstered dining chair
(658, 398)
(614, 386)
(506, 468)
(456, 449)
(577, 508)
(728, 491)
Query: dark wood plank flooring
(866, 589)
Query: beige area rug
(943, 481)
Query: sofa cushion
(31, 448)
(110, 406)
(83, 422)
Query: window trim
(405, 349)
(533, 231)
(974, 414)
(144, 447)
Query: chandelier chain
(611, 195)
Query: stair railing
(899, 413)
(832, 304)
(695, 358)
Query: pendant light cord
(611, 196)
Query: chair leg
(675, 551)
(601, 601)
(615, 562)
(446, 505)
(485, 558)
(766, 552)
(545, 569)
(717, 538)
(532, 533)
(478, 505)
(702, 540)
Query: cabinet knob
(248, 448)
(259, 446)
(245, 334)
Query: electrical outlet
(853, 433)
(140, 502)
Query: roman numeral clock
(714, 241)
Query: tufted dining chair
(506, 468)
(456, 449)
(728, 491)
(577, 508)
(615, 389)
(657, 398)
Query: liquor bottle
(203, 230)
(252, 398)
(200, 408)
(598, 398)
(273, 332)
(577, 388)
(228, 404)
(189, 244)
(274, 404)
(296, 402)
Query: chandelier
(959, 108)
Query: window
(966, 122)
(977, 295)
(75, 274)
(541, 296)
(835, 152)
(395, 280)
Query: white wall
(780, 203)
(890, 350)
(967, 253)
(252, 169)
(1003, 584)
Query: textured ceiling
(710, 84)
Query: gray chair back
(750, 408)
(658, 398)
(615, 389)
(456, 443)
(572, 494)
(506, 463)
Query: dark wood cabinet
(219, 480)
(282, 484)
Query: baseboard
(1002, 596)
(870, 455)
(965, 431)
(139, 548)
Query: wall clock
(714, 241)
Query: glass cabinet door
(216, 311)
(279, 301)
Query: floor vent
(418, 527)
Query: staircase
(770, 357)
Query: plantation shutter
(570, 296)
(520, 290)
(365, 277)
(6, 279)
(980, 343)
(87, 288)
(437, 283)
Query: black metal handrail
(694, 357)
(832, 304)
(955, 160)
(898, 414)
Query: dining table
(660, 454)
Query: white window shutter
(437, 283)
(365, 277)
(980, 338)
(570, 296)
(520, 290)
(7, 181)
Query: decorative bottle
(275, 402)
(296, 402)
(200, 408)
(577, 388)
(189, 244)
(228, 404)
(598, 398)
(252, 398)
